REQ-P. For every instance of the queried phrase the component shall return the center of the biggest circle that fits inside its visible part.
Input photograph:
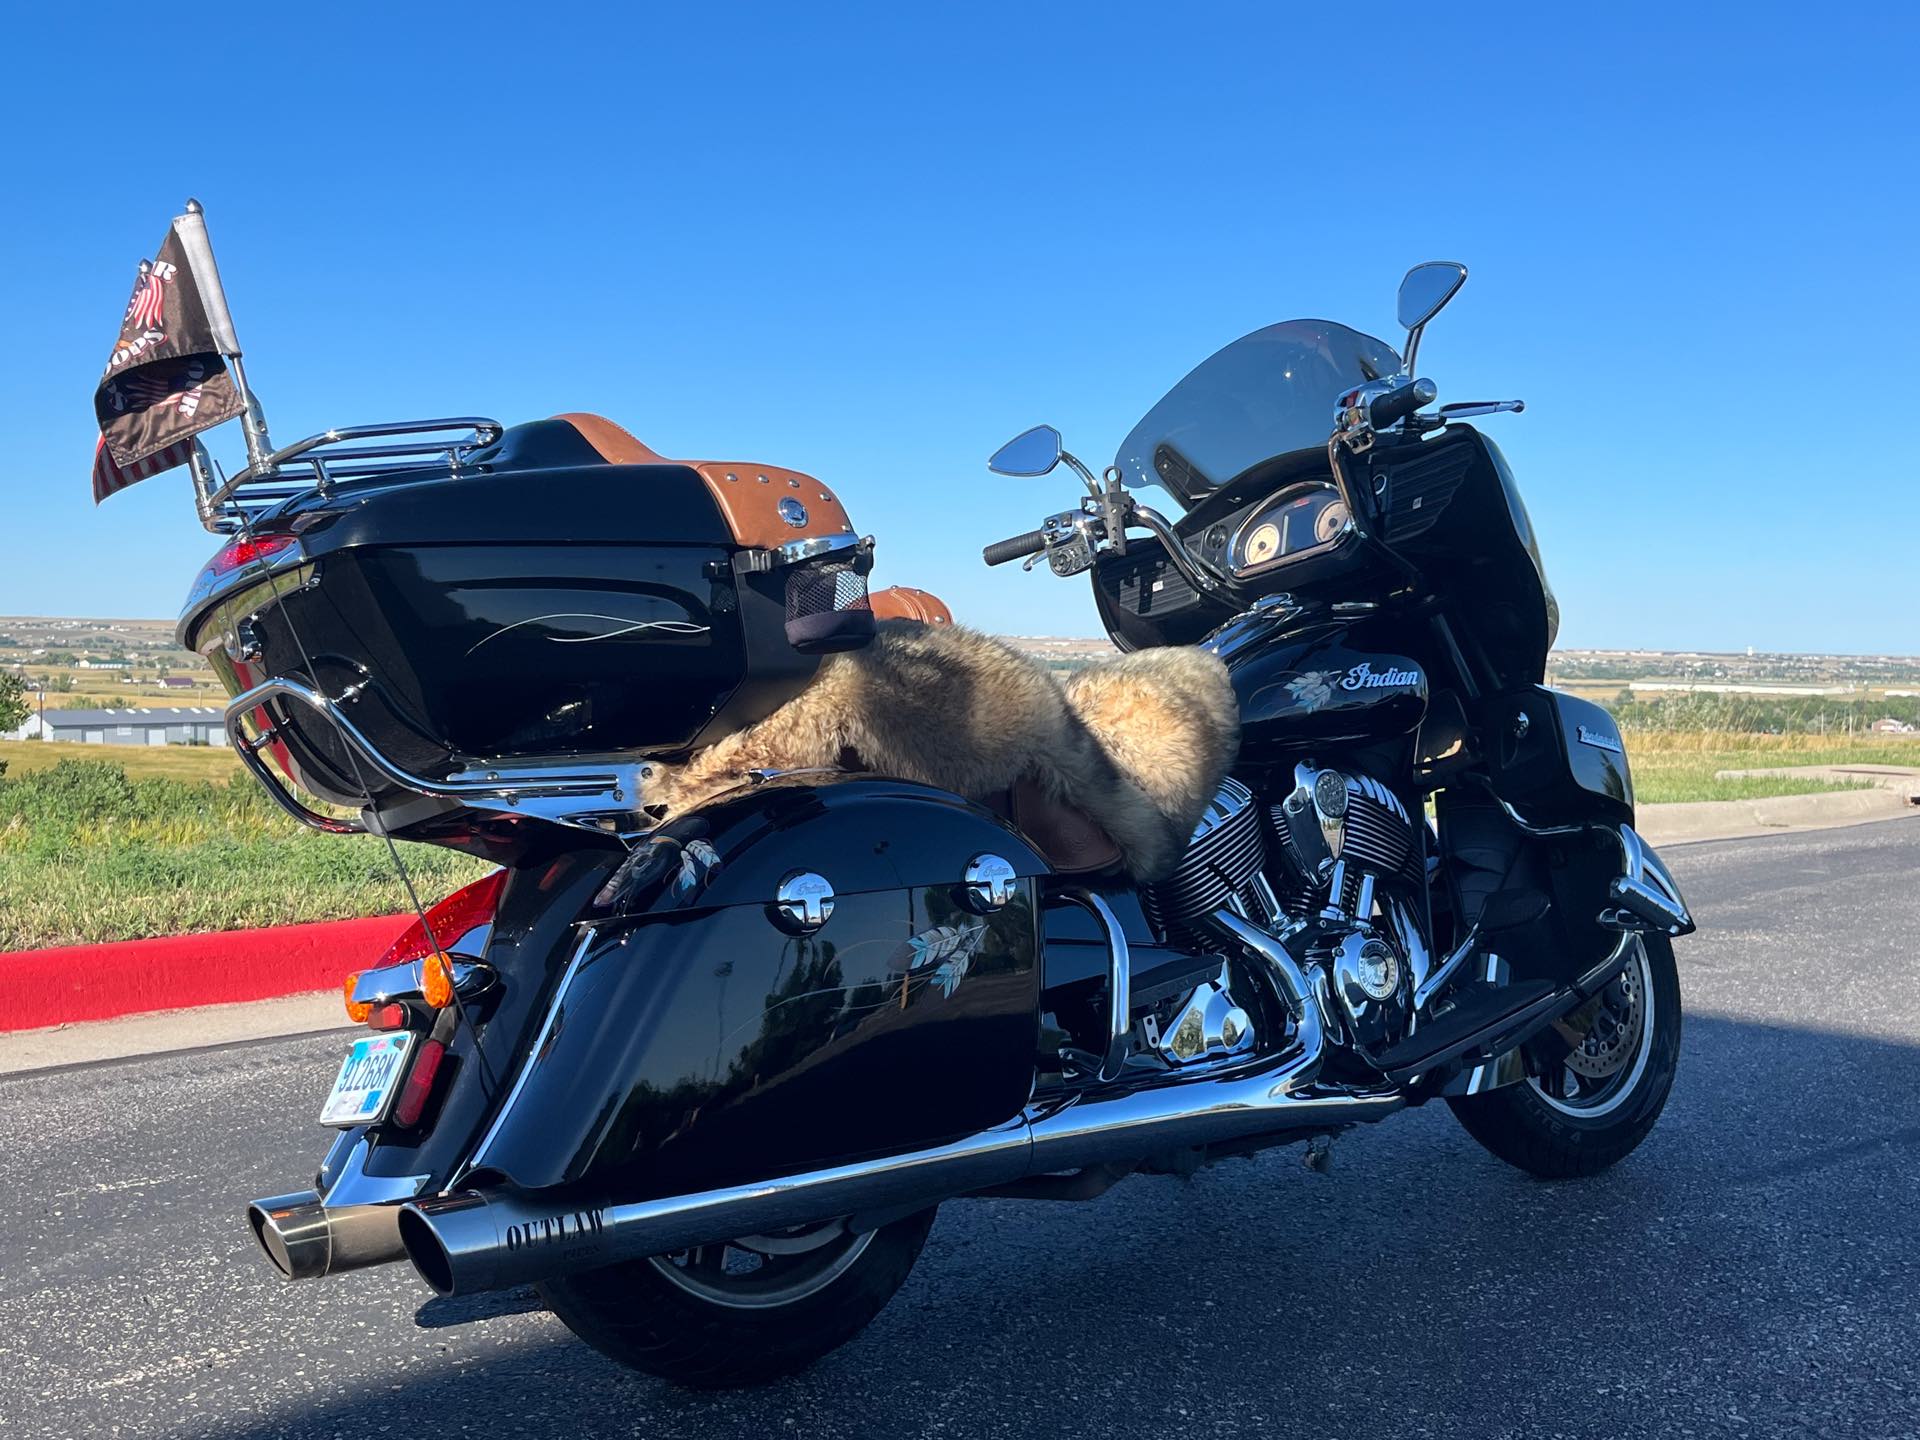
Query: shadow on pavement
(1749, 1271)
(442, 1311)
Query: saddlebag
(793, 976)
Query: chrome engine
(1317, 874)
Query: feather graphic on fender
(942, 955)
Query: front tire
(742, 1313)
(1598, 1105)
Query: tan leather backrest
(749, 496)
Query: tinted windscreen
(1267, 394)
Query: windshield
(1267, 394)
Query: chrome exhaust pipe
(477, 1240)
(306, 1240)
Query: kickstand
(1319, 1154)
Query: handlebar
(1016, 547)
(1396, 405)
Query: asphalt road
(1752, 1270)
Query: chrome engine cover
(1335, 817)
(1370, 983)
(1224, 857)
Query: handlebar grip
(1016, 547)
(1396, 405)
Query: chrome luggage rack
(321, 461)
(599, 793)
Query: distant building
(1891, 726)
(177, 682)
(161, 725)
(105, 665)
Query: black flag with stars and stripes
(166, 380)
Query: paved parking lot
(1753, 1270)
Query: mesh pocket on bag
(827, 605)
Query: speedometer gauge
(1263, 543)
(1331, 520)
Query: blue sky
(873, 243)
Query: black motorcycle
(704, 1081)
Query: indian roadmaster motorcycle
(711, 1116)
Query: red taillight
(387, 1017)
(413, 1095)
(465, 910)
(250, 551)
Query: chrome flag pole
(192, 231)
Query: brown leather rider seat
(1068, 838)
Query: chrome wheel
(758, 1272)
(1612, 1038)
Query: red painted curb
(178, 972)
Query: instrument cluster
(1298, 519)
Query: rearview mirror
(1427, 289)
(1034, 452)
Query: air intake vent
(1150, 586)
(1419, 490)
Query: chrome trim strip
(814, 546)
(353, 1186)
(402, 982)
(554, 1007)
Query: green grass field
(1672, 765)
(173, 762)
(92, 851)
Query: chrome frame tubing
(589, 795)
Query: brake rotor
(1612, 1032)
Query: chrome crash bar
(601, 794)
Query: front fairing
(1271, 393)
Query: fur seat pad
(1140, 743)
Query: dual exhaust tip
(306, 1240)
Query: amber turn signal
(357, 1010)
(436, 980)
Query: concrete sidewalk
(1895, 792)
(169, 1031)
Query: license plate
(364, 1090)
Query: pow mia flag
(167, 379)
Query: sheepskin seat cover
(1139, 743)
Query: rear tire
(701, 1319)
(1596, 1109)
